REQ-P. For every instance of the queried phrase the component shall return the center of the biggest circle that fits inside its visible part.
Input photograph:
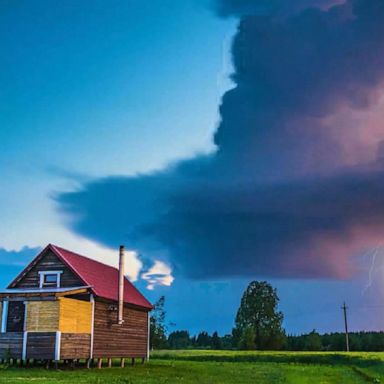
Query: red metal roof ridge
(85, 257)
(57, 249)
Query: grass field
(219, 367)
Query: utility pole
(344, 308)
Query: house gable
(46, 261)
(74, 270)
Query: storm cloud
(269, 7)
(295, 187)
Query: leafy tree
(247, 340)
(179, 340)
(313, 342)
(158, 338)
(216, 341)
(294, 343)
(258, 313)
(236, 337)
(203, 340)
(227, 342)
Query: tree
(258, 313)
(236, 337)
(227, 342)
(179, 340)
(358, 341)
(158, 338)
(313, 342)
(203, 340)
(216, 341)
(247, 340)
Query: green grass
(220, 367)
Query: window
(50, 279)
(15, 316)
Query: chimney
(120, 319)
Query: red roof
(102, 278)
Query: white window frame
(44, 273)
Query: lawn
(219, 367)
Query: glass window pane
(50, 279)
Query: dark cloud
(288, 191)
(281, 229)
(292, 74)
(269, 7)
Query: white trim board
(45, 273)
(24, 350)
(57, 345)
(4, 316)
(92, 300)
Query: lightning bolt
(371, 269)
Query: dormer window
(50, 279)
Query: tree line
(358, 341)
(313, 341)
(258, 326)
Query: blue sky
(97, 100)
(90, 90)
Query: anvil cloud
(295, 187)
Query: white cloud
(80, 245)
(106, 255)
(159, 274)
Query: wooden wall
(42, 316)
(75, 346)
(41, 345)
(11, 345)
(73, 319)
(49, 262)
(113, 340)
(75, 316)
(65, 315)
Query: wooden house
(64, 306)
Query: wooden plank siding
(75, 346)
(113, 340)
(41, 345)
(11, 345)
(75, 316)
(65, 315)
(42, 316)
(49, 262)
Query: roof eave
(57, 292)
